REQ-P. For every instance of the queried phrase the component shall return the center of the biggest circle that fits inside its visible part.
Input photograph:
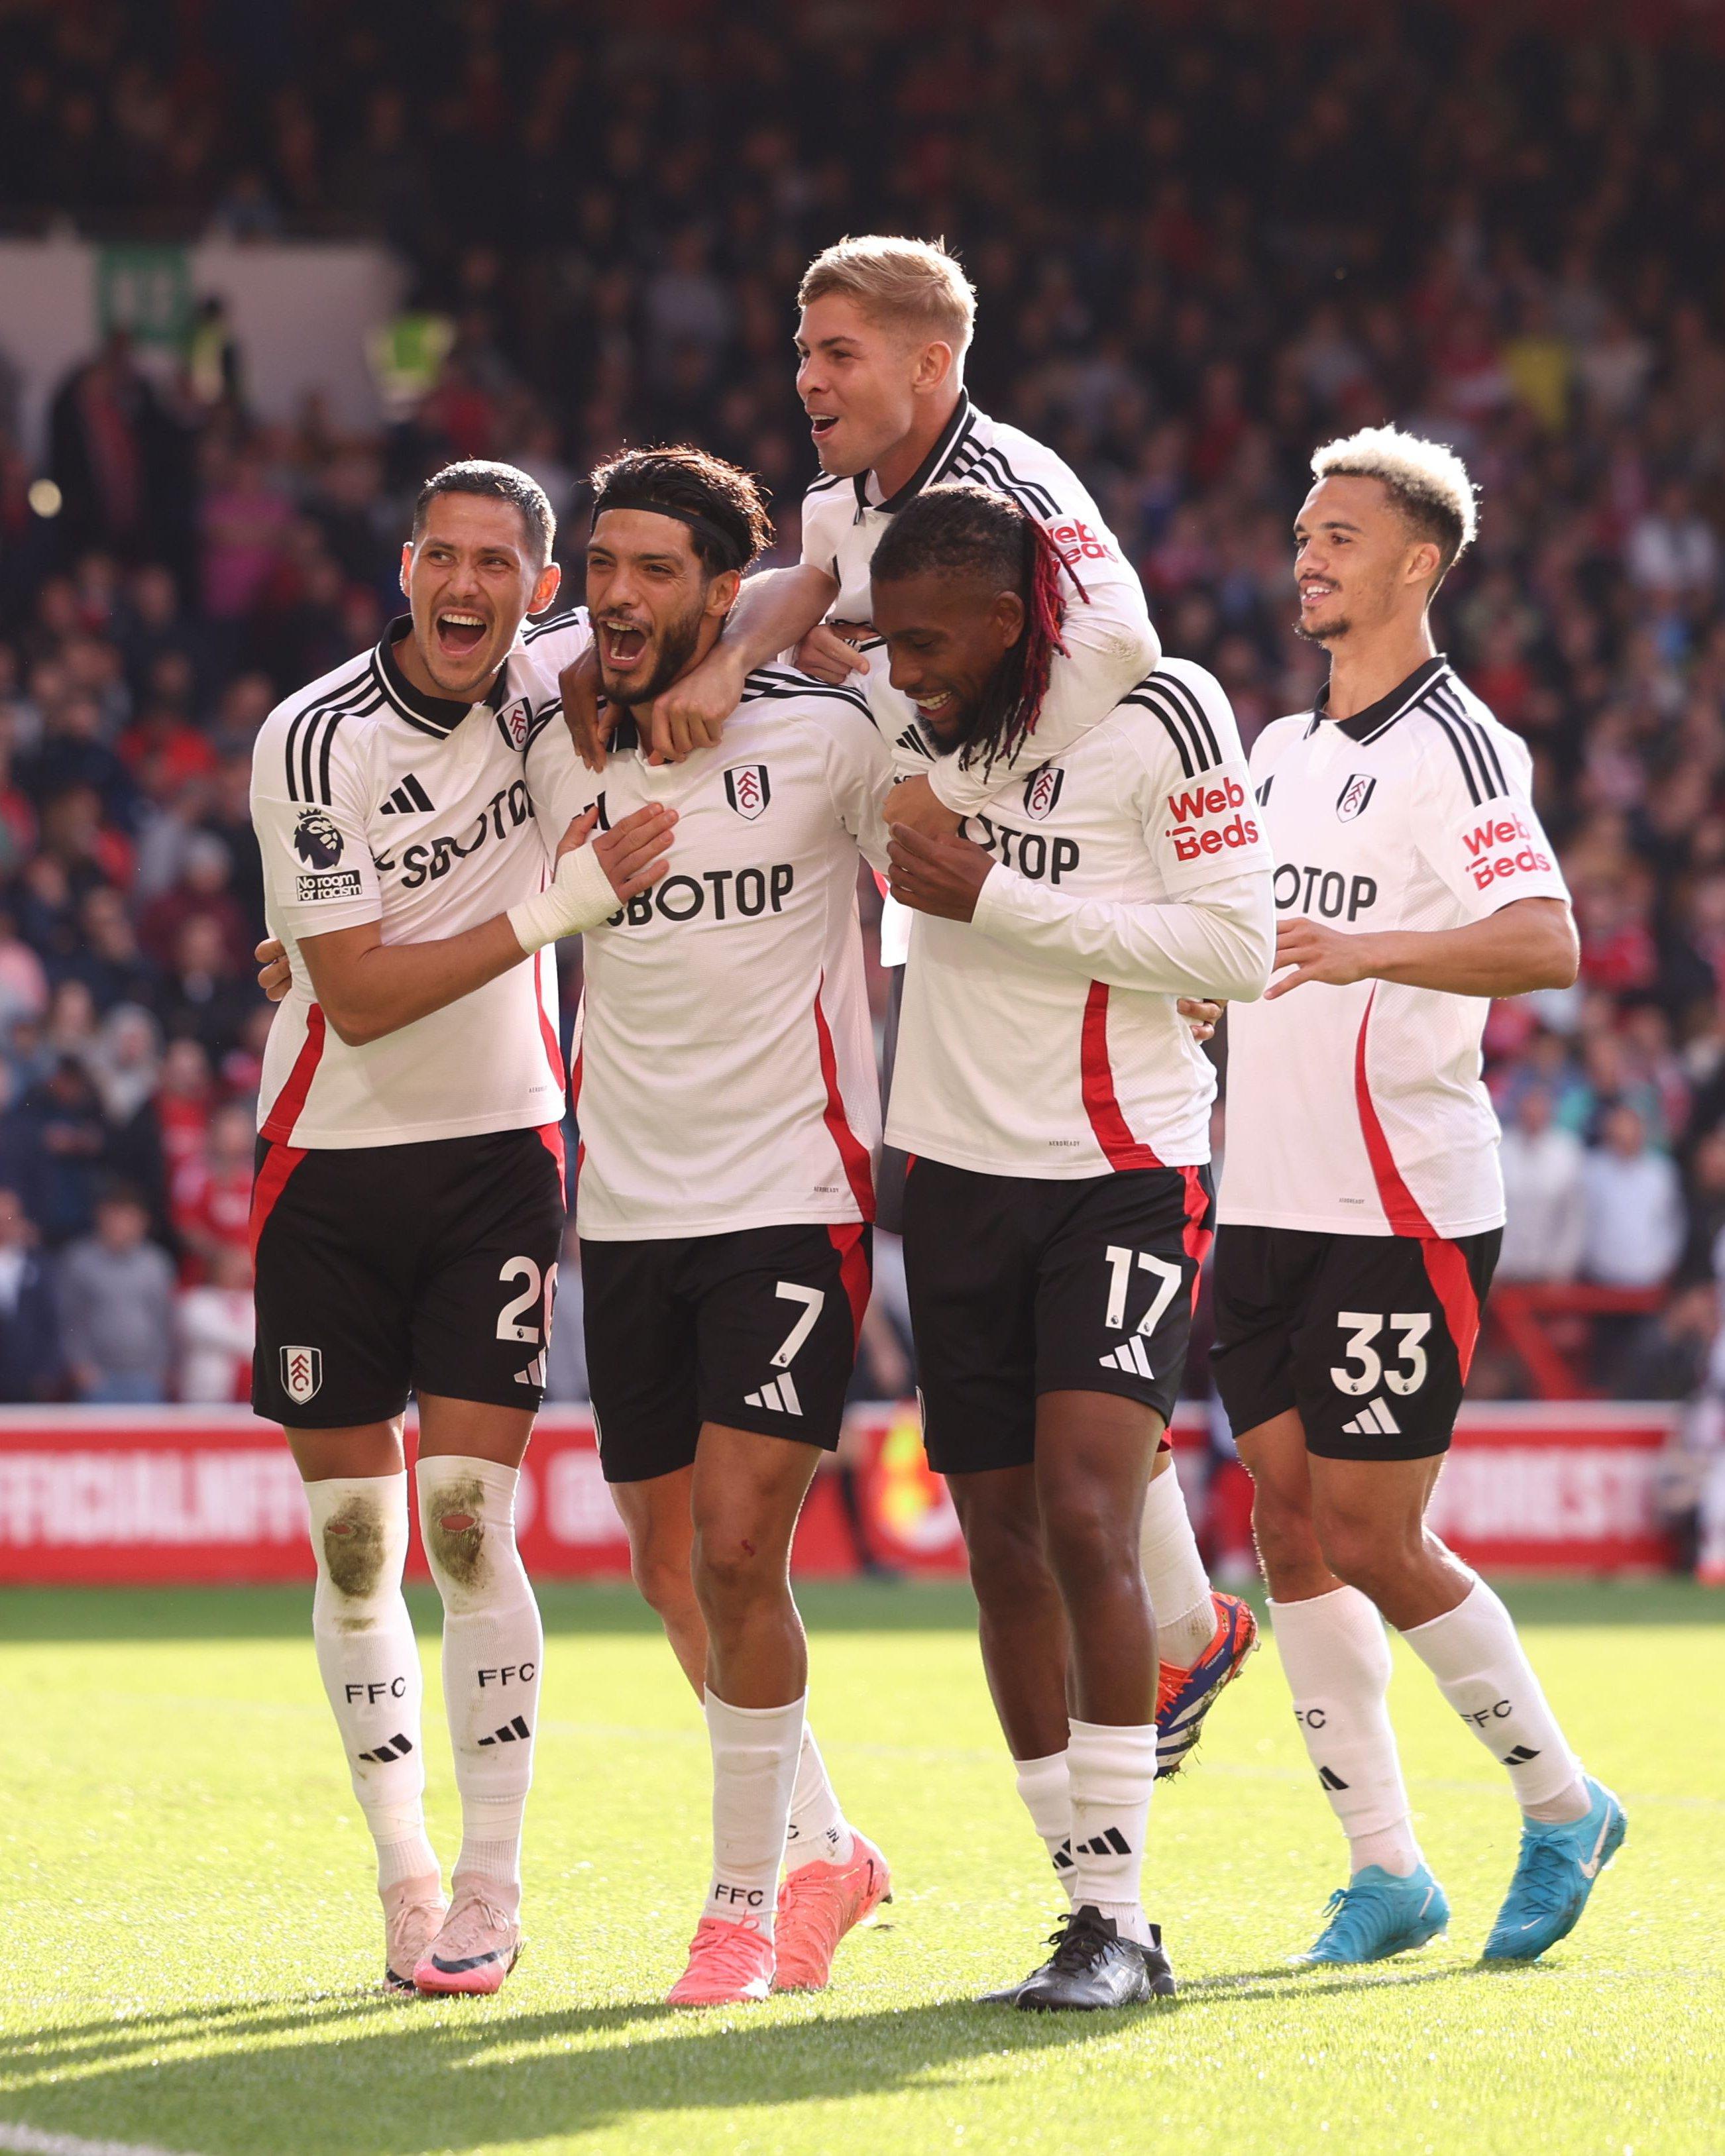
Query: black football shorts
(386, 1270)
(755, 1330)
(1369, 1336)
(1020, 1286)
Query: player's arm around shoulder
(1477, 830)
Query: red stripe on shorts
(847, 1239)
(1445, 1264)
(271, 1180)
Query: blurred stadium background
(265, 263)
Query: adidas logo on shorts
(1373, 1419)
(1130, 1357)
(779, 1393)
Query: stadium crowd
(1199, 250)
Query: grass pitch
(192, 1942)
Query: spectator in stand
(115, 1296)
(201, 893)
(106, 957)
(203, 996)
(62, 1118)
(1545, 1224)
(1704, 1247)
(217, 1329)
(23, 983)
(184, 1102)
(211, 1195)
(1634, 1206)
(29, 1326)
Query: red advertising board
(178, 1495)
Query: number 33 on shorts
(1365, 1369)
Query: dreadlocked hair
(963, 530)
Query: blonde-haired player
(1362, 1206)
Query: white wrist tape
(579, 896)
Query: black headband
(721, 542)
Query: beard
(677, 641)
(1328, 634)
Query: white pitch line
(31, 2141)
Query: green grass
(193, 1937)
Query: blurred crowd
(1202, 241)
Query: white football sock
(1174, 1574)
(1337, 1660)
(1478, 1660)
(817, 1831)
(755, 1754)
(370, 1660)
(1112, 1770)
(493, 1646)
(1047, 1791)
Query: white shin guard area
(818, 1831)
(493, 1646)
(1476, 1656)
(1336, 1655)
(1178, 1586)
(1045, 1790)
(369, 1658)
(1112, 1771)
(755, 1753)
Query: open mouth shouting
(821, 425)
(459, 633)
(622, 645)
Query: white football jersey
(374, 802)
(1110, 644)
(1360, 1110)
(1041, 1038)
(725, 1074)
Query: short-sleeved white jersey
(1360, 1110)
(725, 1074)
(1110, 644)
(1042, 1039)
(374, 802)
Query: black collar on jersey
(925, 472)
(431, 715)
(1376, 718)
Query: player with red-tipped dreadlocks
(1057, 1110)
(965, 531)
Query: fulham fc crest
(747, 789)
(514, 719)
(1042, 789)
(1351, 801)
(302, 1373)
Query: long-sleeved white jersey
(1110, 642)
(1360, 1111)
(374, 802)
(1041, 1038)
(725, 1074)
